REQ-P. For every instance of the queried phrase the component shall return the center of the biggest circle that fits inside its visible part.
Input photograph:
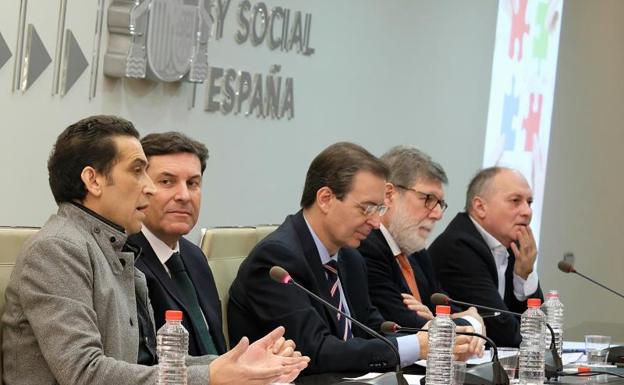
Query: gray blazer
(70, 314)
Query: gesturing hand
(415, 305)
(258, 364)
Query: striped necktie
(333, 282)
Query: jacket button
(96, 230)
(113, 239)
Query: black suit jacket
(466, 269)
(386, 281)
(258, 304)
(165, 296)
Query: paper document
(412, 379)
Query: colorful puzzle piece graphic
(540, 42)
(510, 110)
(518, 28)
(531, 123)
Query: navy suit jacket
(467, 271)
(258, 304)
(165, 296)
(386, 281)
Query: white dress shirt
(161, 249)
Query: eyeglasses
(370, 209)
(430, 200)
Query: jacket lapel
(149, 258)
(313, 260)
(484, 249)
(202, 289)
(378, 238)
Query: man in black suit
(487, 254)
(342, 201)
(177, 273)
(400, 276)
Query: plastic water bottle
(553, 308)
(172, 347)
(532, 347)
(441, 342)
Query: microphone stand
(389, 378)
(552, 360)
(616, 353)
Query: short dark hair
(88, 142)
(408, 165)
(335, 167)
(173, 143)
(480, 183)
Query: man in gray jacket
(77, 311)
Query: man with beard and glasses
(401, 278)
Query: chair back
(225, 249)
(12, 240)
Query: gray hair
(480, 183)
(408, 165)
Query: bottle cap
(534, 302)
(552, 294)
(173, 315)
(443, 309)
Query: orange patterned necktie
(408, 274)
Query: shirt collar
(322, 250)
(161, 249)
(493, 243)
(98, 216)
(396, 250)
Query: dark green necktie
(183, 282)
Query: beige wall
(583, 206)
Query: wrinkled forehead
(508, 182)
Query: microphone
(443, 299)
(491, 373)
(616, 353)
(280, 275)
(567, 267)
(552, 360)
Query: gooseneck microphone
(280, 275)
(553, 364)
(491, 373)
(567, 267)
(616, 353)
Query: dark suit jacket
(165, 296)
(386, 281)
(466, 269)
(257, 304)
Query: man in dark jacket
(401, 278)
(486, 255)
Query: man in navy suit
(178, 275)
(401, 278)
(342, 201)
